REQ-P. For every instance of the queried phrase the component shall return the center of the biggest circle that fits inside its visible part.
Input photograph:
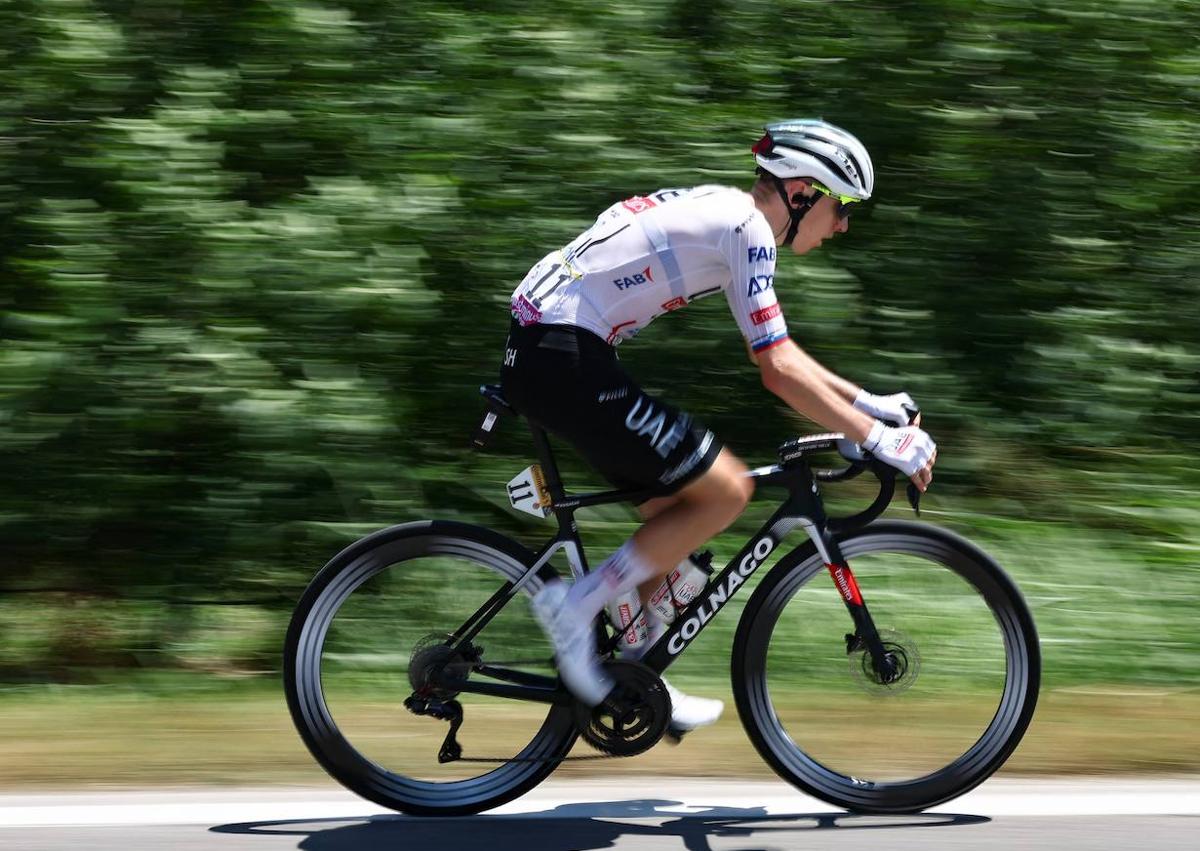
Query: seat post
(541, 444)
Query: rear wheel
(367, 630)
(968, 669)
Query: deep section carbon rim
(824, 720)
(349, 656)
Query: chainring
(633, 717)
(903, 651)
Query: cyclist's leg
(569, 382)
(675, 526)
(680, 523)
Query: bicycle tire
(306, 636)
(900, 540)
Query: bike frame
(802, 507)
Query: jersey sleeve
(751, 292)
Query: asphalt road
(641, 813)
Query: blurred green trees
(255, 258)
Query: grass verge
(100, 738)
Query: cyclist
(650, 255)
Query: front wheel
(364, 637)
(967, 683)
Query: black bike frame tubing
(568, 535)
(554, 693)
(843, 579)
(802, 507)
(473, 625)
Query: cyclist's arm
(810, 389)
(805, 385)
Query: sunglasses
(844, 202)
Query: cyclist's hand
(897, 409)
(908, 449)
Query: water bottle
(681, 586)
(621, 612)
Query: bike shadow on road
(580, 827)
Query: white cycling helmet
(809, 147)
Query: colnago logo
(718, 596)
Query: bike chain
(559, 759)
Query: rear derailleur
(445, 710)
(434, 671)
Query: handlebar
(795, 452)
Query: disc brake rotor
(901, 650)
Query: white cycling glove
(907, 449)
(886, 408)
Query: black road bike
(888, 709)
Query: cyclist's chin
(799, 247)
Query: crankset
(633, 717)
(631, 720)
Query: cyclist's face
(820, 223)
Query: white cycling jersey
(650, 255)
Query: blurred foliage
(255, 257)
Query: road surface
(642, 813)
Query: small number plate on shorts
(527, 492)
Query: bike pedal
(674, 734)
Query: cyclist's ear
(797, 188)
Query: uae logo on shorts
(645, 420)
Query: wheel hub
(435, 666)
(902, 653)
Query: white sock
(622, 571)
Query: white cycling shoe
(689, 712)
(574, 640)
(579, 665)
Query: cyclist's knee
(725, 483)
(742, 486)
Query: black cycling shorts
(569, 382)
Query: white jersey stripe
(662, 245)
(614, 279)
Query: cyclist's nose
(843, 225)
